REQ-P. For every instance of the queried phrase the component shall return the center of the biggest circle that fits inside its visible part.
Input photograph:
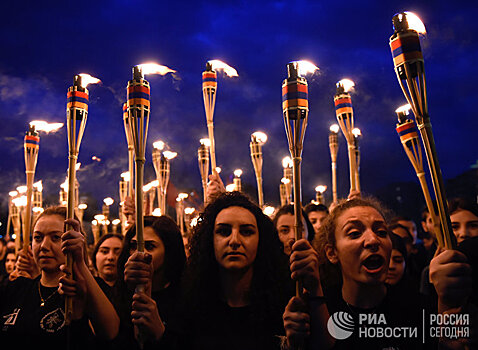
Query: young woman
(33, 309)
(398, 261)
(464, 218)
(105, 258)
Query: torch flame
(38, 210)
(154, 68)
(94, 222)
(87, 79)
(321, 188)
(13, 193)
(269, 211)
(218, 170)
(285, 180)
(20, 201)
(100, 217)
(347, 84)
(414, 22)
(228, 70)
(356, 132)
(22, 189)
(237, 173)
(116, 222)
(182, 196)
(108, 201)
(194, 222)
(169, 155)
(405, 109)
(287, 162)
(156, 212)
(259, 137)
(205, 142)
(77, 166)
(125, 176)
(230, 187)
(335, 128)
(82, 206)
(159, 145)
(189, 210)
(41, 125)
(305, 67)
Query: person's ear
(331, 253)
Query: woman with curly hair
(236, 281)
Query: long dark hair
(174, 255)
(289, 209)
(270, 282)
(99, 243)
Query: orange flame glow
(154, 68)
(405, 109)
(205, 142)
(287, 162)
(259, 137)
(347, 84)
(159, 145)
(219, 65)
(306, 67)
(356, 132)
(414, 22)
(169, 155)
(335, 128)
(41, 125)
(321, 188)
(87, 79)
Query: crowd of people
(243, 281)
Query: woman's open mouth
(373, 263)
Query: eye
(149, 246)
(354, 234)
(37, 238)
(223, 231)
(103, 251)
(284, 230)
(382, 233)
(455, 226)
(133, 246)
(56, 238)
(398, 259)
(248, 232)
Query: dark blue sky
(44, 44)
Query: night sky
(45, 43)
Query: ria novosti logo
(340, 325)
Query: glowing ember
(125, 176)
(38, 186)
(154, 68)
(335, 128)
(414, 22)
(169, 155)
(269, 211)
(41, 125)
(305, 67)
(13, 193)
(189, 210)
(321, 188)
(108, 201)
(356, 132)
(182, 196)
(82, 206)
(230, 187)
(347, 84)
(205, 142)
(159, 145)
(287, 162)
(96, 158)
(87, 79)
(22, 189)
(156, 212)
(285, 180)
(116, 222)
(405, 109)
(237, 173)
(228, 70)
(259, 137)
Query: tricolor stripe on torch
(125, 110)
(138, 94)
(32, 142)
(77, 99)
(343, 104)
(295, 95)
(209, 79)
(407, 131)
(406, 48)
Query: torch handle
(131, 171)
(212, 148)
(28, 211)
(352, 167)
(298, 226)
(139, 203)
(70, 214)
(260, 193)
(16, 230)
(334, 181)
(449, 239)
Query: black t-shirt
(25, 324)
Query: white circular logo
(340, 325)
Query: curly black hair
(270, 287)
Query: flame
(14, 236)
(259, 137)
(287, 162)
(237, 173)
(205, 142)
(94, 222)
(230, 187)
(155, 183)
(100, 217)
(82, 206)
(285, 180)
(169, 155)
(22, 189)
(321, 188)
(159, 145)
(38, 186)
(77, 166)
(305, 67)
(414, 22)
(108, 201)
(96, 158)
(218, 170)
(334, 128)
(87, 79)
(228, 70)
(156, 212)
(182, 196)
(41, 125)
(356, 132)
(347, 84)
(13, 193)
(147, 187)
(38, 210)
(154, 68)
(20, 201)
(405, 109)
(269, 211)
(189, 210)
(64, 185)
(194, 222)
(116, 222)
(125, 176)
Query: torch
(407, 130)
(81, 211)
(345, 117)
(163, 171)
(357, 134)
(129, 141)
(76, 115)
(115, 224)
(123, 193)
(237, 180)
(180, 211)
(209, 88)
(107, 202)
(257, 141)
(319, 194)
(287, 165)
(410, 70)
(203, 162)
(284, 193)
(295, 107)
(20, 203)
(12, 210)
(95, 228)
(37, 199)
(334, 150)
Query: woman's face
(236, 238)
(396, 268)
(464, 224)
(10, 262)
(107, 258)
(152, 245)
(46, 243)
(285, 228)
(362, 246)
